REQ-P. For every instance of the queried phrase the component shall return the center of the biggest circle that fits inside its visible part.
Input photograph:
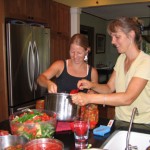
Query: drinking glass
(81, 133)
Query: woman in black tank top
(68, 72)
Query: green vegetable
(27, 135)
(27, 116)
(89, 146)
(35, 129)
(47, 130)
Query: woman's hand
(52, 87)
(84, 84)
(80, 99)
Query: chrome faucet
(128, 146)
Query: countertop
(67, 137)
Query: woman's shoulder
(143, 57)
(121, 56)
(58, 65)
(59, 62)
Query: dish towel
(63, 126)
(102, 130)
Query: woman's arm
(53, 71)
(134, 89)
(94, 75)
(99, 88)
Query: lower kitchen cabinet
(107, 112)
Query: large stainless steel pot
(62, 104)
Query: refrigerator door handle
(30, 64)
(9, 62)
(37, 66)
(26, 107)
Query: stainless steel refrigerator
(28, 55)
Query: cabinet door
(15, 9)
(53, 16)
(59, 46)
(38, 10)
(33, 10)
(60, 18)
(64, 19)
(64, 46)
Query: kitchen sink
(117, 141)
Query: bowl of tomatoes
(44, 144)
(33, 123)
(12, 142)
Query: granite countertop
(67, 137)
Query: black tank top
(65, 82)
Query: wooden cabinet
(34, 10)
(60, 31)
(15, 9)
(3, 83)
(60, 18)
(59, 46)
(107, 112)
(55, 15)
(38, 10)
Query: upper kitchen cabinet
(15, 9)
(59, 46)
(60, 31)
(34, 10)
(60, 18)
(38, 10)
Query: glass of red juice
(81, 133)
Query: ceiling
(140, 10)
(108, 10)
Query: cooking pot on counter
(61, 103)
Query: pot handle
(69, 97)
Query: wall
(99, 26)
(110, 56)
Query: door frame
(89, 32)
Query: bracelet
(104, 101)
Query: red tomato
(74, 91)
(14, 128)
(3, 132)
(44, 146)
(29, 121)
(33, 131)
(45, 117)
(21, 115)
(37, 118)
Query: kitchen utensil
(34, 123)
(62, 104)
(11, 140)
(44, 143)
